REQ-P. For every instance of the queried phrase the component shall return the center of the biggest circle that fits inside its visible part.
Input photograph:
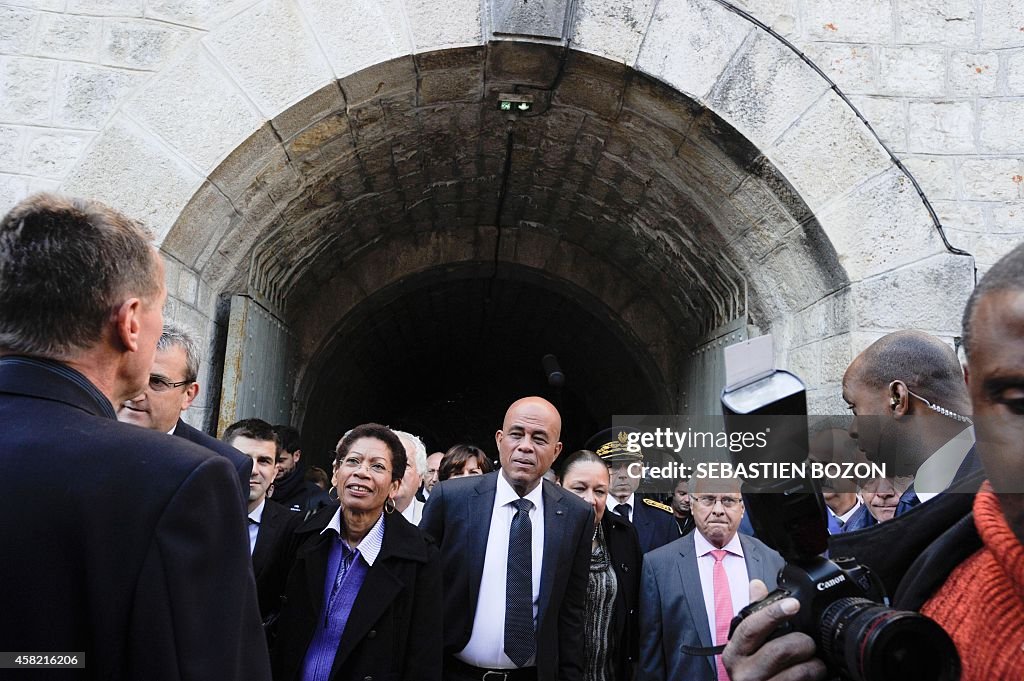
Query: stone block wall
(164, 91)
(942, 83)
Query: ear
(190, 394)
(297, 454)
(558, 449)
(395, 485)
(967, 375)
(498, 436)
(899, 399)
(127, 323)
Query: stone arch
(680, 149)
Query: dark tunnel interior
(444, 357)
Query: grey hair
(177, 335)
(419, 449)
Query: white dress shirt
(370, 545)
(735, 569)
(486, 647)
(613, 502)
(254, 527)
(937, 472)
(845, 518)
(414, 511)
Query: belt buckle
(498, 676)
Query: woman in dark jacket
(363, 599)
(611, 645)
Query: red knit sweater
(981, 604)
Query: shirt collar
(613, 502)
(257, 515)
(504, 494)
(853, 509)
(937, 472)
(704, 547)
(369, 548)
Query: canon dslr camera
(843, 607)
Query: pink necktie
(723, 608)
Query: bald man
(516, 555)
(912, 413)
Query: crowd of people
(134, 551)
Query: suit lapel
(752, 556)
(689, 576)
(266, 538)
(375, 596)
(640, 521)
(554, 538)
(315, 555)
(479, 507)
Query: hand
(748, 657)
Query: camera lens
(865, 641)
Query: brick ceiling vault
(616, 194)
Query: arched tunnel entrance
(443, 353)
(417, 250)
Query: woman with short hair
(363, 598)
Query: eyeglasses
(354, 462)
(709, 501)
(160, 384)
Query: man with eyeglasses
(691, 588)
(171, 390)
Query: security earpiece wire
(942, 410)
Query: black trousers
(457, 670)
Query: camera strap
(703, 652)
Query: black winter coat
(394, 631)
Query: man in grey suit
(691, 588)
(515, 551)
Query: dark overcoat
(627, 559)
(394, 631)
(120, 542)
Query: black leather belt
(461, 669)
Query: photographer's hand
(750, 656)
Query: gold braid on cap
(617, 447)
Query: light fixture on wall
(518, 103)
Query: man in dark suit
(681, 507)
(130, 549)
(516, 555)
(691, 589)
(846, 510)
(958, 555)
(291, 489)
(271, 526)
(911, 413)
(171, 390)
(654, 522)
